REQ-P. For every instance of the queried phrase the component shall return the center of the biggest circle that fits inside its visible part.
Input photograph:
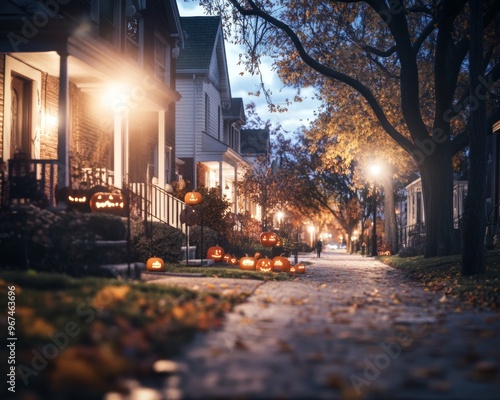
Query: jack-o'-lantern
(281, 263)
(233, 260)
(269, 239)
(247, 263)
(264, 265)
(257, 255)
(298, 269)
(216, 253)
(110, 203)
(227, 258)
(78, 200)
(193, 198)
(155, 264)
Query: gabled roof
(254, 141)
(201, 34)
(236, 111)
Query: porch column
(161, 149)
(126, 147)
(118, 150)
(236, 189)
(63, 123)
(220, 178)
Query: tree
(362, 44)
(313, 187)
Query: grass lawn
(442, 274)
(78, 336)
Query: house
(208, 118)
(89, 85)
(413, 208)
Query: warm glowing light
(375, 169)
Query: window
(207, 112)
(218, 122)
(162, 70)
(132, 40)
(168, 163)
(107, 20)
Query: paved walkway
(350, 328)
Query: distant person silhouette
(319, 247)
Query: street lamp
(311, 230)
(375, 169)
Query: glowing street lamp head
(375, 169)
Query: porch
(33, 181)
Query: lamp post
(375, 171)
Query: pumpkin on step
(269, 239)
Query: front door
(20, 133)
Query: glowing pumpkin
(110, 203)
(264, 265)
(216, 253)
(281, 263)
(193, 198)
(155, 264)
(247, 263)
(78, 200)
(234, 260)
(298, 269)
(269, 239)
(227, 258)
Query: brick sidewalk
(350, 328)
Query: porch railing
(411, 234)
(30, 181)
(34, 181)
(154, 203)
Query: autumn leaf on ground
(108, 295)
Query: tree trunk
(474, 219)
(390, 225)
(437, 190)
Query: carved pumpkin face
(281, 264)
(110, 203)
(257, 255)
(247, 263)
(264, 265)
(233, 260)
(155, 264)
(227, 258)
(298, 269)
(216, 253)
(78, 200)
(269, 239)
(193, 198)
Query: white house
(208, 119)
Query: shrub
(210, 238)
(411, 251)
(107, 227)
(148, 239)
